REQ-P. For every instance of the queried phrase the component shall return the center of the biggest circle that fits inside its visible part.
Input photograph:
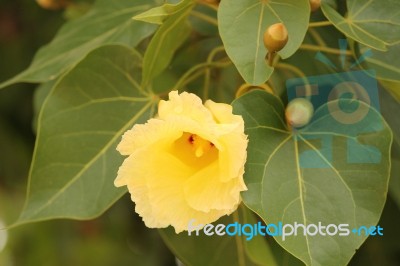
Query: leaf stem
(214, 7)
(191, 74)
(317, 37)
(319, 48)
(204, 17)
(207, 75)
(300, 74)
(319, 24)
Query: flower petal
(222, 114)
(155, 130)
(184, 104)
(129, 175)
(163, 202)
(232, 155)
(204, 191)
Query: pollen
(200, 145)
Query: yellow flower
(187, 163)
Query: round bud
(315, 4)
(299, 112)
(52, 4)
(275, 37)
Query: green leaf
(159, 14)
(108, 22)
(372, 23)
(243, 24)
(168, 38)
(81, 122)
(384, 63)
(389, 107)
(328, 172)
(220, 250)
(40, 95)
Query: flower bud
(52, 4)
(299, 112)
(315, 4)
(275, 37)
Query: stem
(318, 48)
(300, 74)
(207, 75)
(191, 74)
(204, 17)
(214, 7)
(315, 35)
(319, 24)
(246, 87)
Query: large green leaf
(81, 122)
(385, 64)
(199, 250)
(327, 172)
(243, 23)
(171, 34)
(107, 22)
(389, 107)
(372, 23)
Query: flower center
(194, 150)
(199, 145)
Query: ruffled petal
(222, 114)
(204, 191)
(155, 130)
(164, 177)
(131, 176)
(186, 105)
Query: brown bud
(275, 37)
(52, 4)
(315, 4)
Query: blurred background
(118, 237)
